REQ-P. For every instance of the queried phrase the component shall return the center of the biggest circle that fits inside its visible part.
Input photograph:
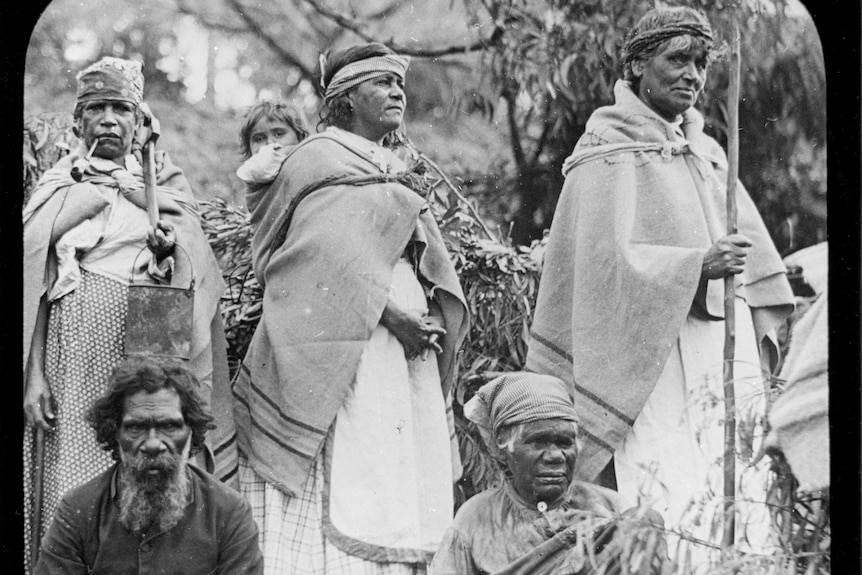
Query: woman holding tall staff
(630, 308)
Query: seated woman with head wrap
(540, 521)
(342, 403)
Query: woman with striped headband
(347, 454)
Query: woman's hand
(416, 331)
(725, 257)
(161, 239)
(39, 402)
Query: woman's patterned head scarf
(111, 79)
(520, 397)
(659, 25)
(361, 71)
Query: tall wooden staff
(149, 165)
(38, 480)
(729, 291)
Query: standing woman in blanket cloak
(347, 453)
(630, 307)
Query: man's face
(153, 436)
(672, 79)
(543, 460)
(378, 106)
(110, 122)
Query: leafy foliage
(802, 522)
(229, 232)
(555, 61)
(47, 138)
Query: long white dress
(672, 457)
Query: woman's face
(111, 123)
(271, 131)
(378, 106)
(672, 79)
(542, 460)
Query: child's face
(269, 131)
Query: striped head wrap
(111, 79)
(360, 71)
(645, 40)
(520, 397)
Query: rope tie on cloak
(411, 180)
(667, 150)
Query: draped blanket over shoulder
(639, 208)
(84, 243)
(59, 204)
(325, 246)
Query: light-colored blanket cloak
(58, 205)
(638, 211)
(799, 418)
(326, 283)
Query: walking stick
(38, 475)
(727, 542)
(150, 182)
(149, 165)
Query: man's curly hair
(144, 374)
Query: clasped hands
(416, 330)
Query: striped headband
(360, 71)
(648, 39)
(520, 397)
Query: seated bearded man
(151, 512)
(540, 520)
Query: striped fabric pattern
(521, 397)
(355, 73)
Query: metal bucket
(159, 317)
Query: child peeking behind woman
(268, 133)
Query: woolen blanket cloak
(799, 418)
(58, 204)
(638, 210)
(326, 283)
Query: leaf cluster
(228, 230)
(47, 138)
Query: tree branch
(208, 22)
(257, 28)
(517, 149)
(546, 130)
(386, 11)
(358, 28)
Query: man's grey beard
(151, 503)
